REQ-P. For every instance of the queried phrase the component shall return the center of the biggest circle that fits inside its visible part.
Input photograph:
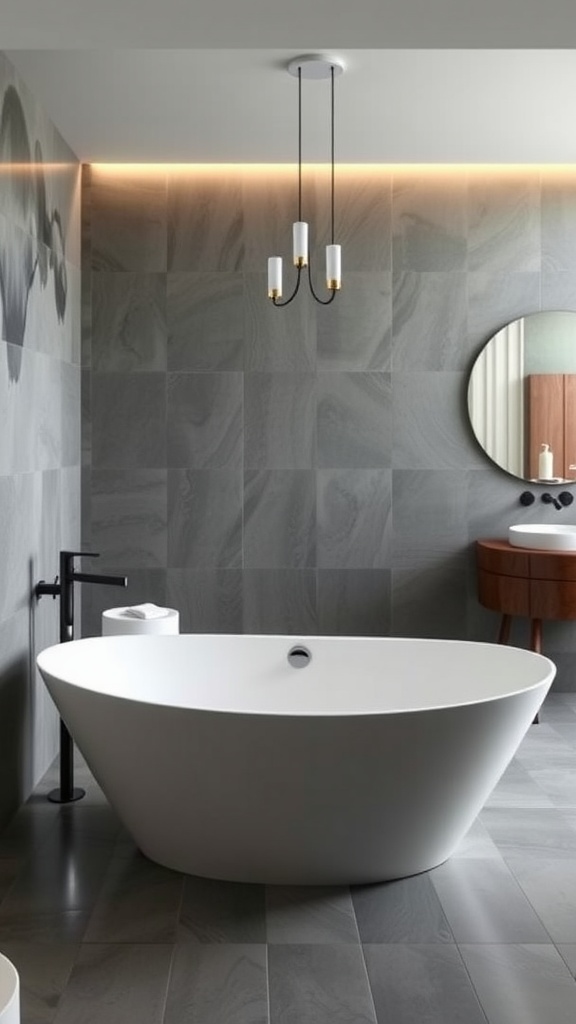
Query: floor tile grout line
(168, 981)
(473, 986)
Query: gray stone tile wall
(39, 418)
(309, 469)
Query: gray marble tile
(204, 519)
(355, 330)
(477, 843)
(280, 601)
(204, 420)
(504, 221)
(129, 331)
(139, 902)
(559, 784)
(278, 340)
(549, 882)
(279, 519)
(318, 984)
(205, 315)
(497, 299)
(430, 422)
(269, 203)
(407, 910)
(70, 426)
(363, 213)
(430, 601)
(543, 749)
(428, 517)
(128, 230)
(22, 496)
(414, 983)
(221, 912)
(354, 420)
(354, 602)
(537, 832)
(45, 927)
(558, 289)
(113, 984)
(484, 903)
(43, 885)
(354, 518)
(16, 688)
(279, 420)
(429, 220)
(568, 954)
(518, 788)
(216, 983)
(44, 971)
(205, 220)
(128, 420)
(429, 315)
(316, 914)
(9, 868)
(558, 221)
(209, 600)
(129, 516)
(521, 984)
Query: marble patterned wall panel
(40, 409)
(336, 484)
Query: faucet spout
(107, 581)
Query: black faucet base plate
(55, 796)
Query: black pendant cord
(294, 293)
(332, 155)
(326, 302)
(322, 302)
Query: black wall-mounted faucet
(65, 591)
(562, 501)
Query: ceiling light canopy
(314, 68)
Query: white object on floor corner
(9, 992)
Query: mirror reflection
(522, 398)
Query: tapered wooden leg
(504, 634)
(536, 635)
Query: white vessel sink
(545, 536)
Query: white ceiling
(204, 80)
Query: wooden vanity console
(520, 581)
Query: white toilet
(9, 992)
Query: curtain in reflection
(497, 399)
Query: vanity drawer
(500, 557)
(558, 566)
(506, 594)
(552, 599)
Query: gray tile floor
(101, 935)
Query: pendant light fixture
(310, 67)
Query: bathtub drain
(299, 657)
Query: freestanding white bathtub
(224, 760)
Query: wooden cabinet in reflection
(551, 407)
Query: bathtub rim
(53, 650)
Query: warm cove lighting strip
(366, 168)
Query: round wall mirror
(522, 398)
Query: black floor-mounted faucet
(65, 591)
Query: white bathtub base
(299, 800)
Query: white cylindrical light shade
(274, 277)
(300, 243)
(333, 266)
